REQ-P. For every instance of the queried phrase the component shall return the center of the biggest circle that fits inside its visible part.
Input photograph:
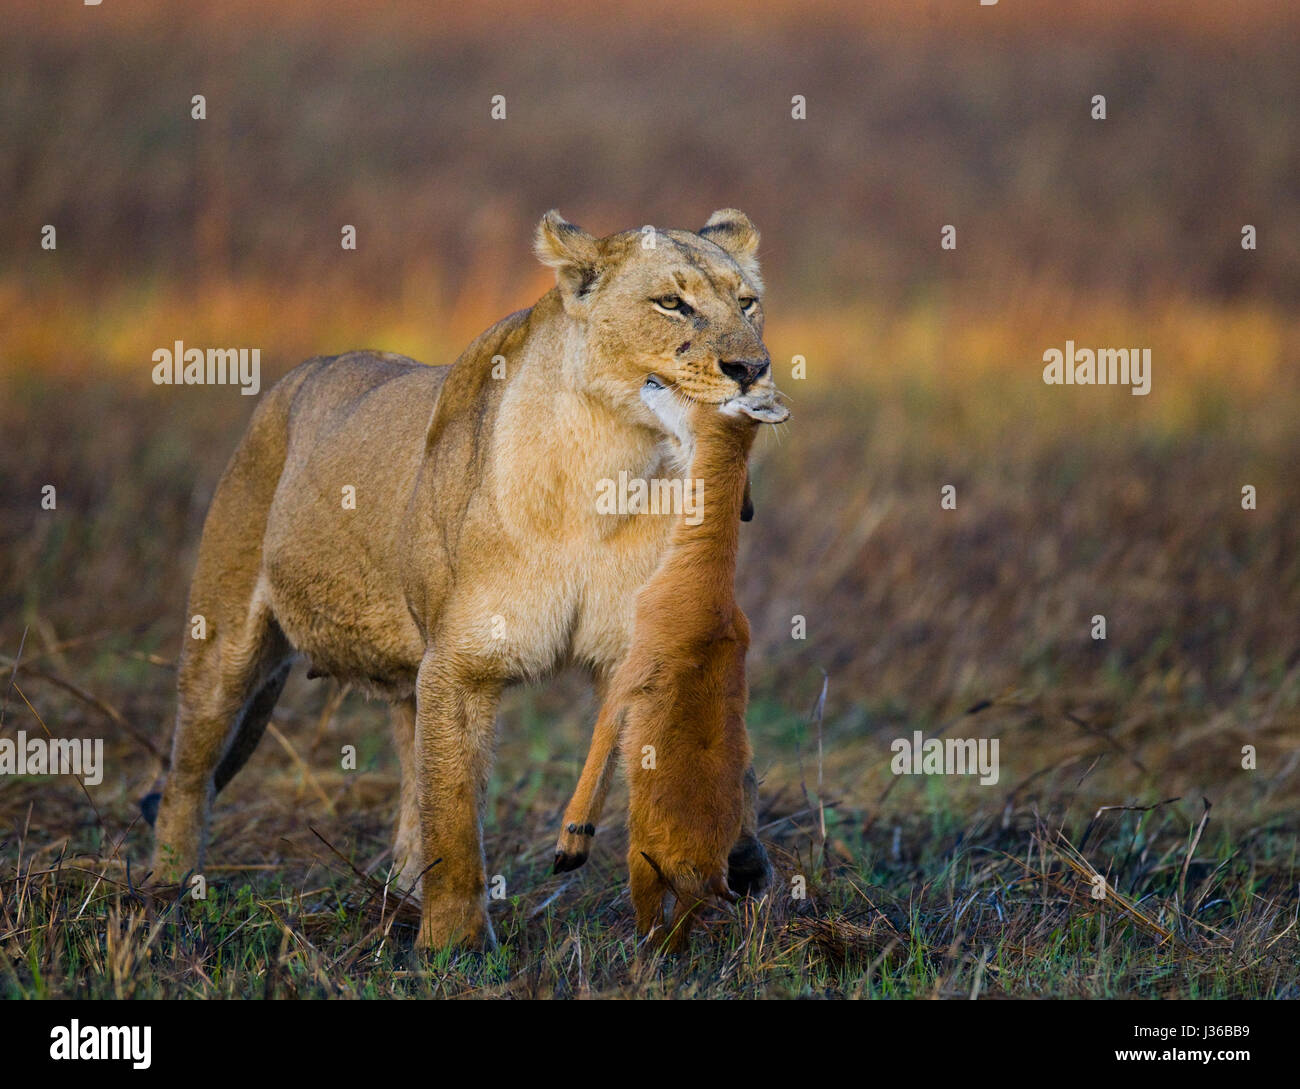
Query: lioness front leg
(408, 851)
(454, 721)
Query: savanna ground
(924, 369)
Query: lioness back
(356, 427)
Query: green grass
(946, 907)
(927, 891)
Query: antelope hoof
(573, 847)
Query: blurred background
(923, 365)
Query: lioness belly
(330, 560)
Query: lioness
(431, 533)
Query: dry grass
(922, 887)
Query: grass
(922, 887)
(937, 905)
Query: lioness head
(683, 309)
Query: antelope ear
(734, 232)
(575, 256)
(747, 504)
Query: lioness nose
(744, 371)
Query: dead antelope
(676, 704)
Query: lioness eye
(668, 302)
(747, 303)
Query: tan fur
(475, 556)
(678, 698)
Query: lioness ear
(574, 255)
(732, 230)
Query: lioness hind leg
(228, 688)
(233, 661)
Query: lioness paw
(452, 923)
(748, 870)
